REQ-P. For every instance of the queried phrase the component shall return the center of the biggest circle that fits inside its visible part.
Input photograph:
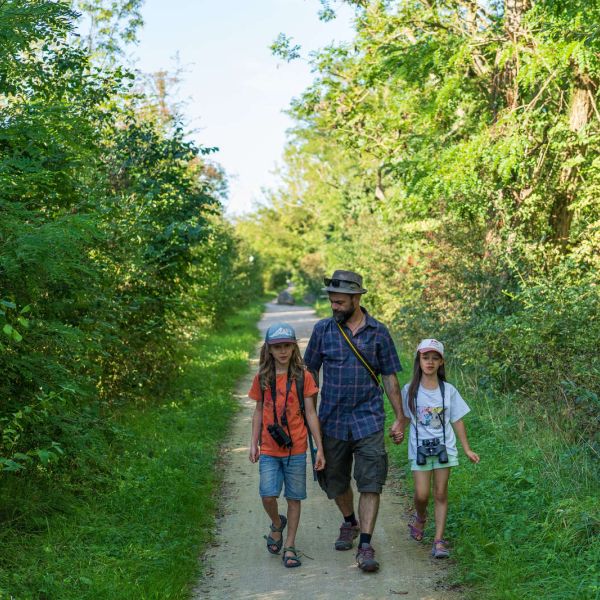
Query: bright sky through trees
(234, 89)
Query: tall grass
(524, 522)
(134, 528)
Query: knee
(440, 496)
(269, 501)
(421, 496)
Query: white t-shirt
(429, 416)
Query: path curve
(238, 565)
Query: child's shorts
(433, 463)
(275, 471)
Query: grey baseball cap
(344, 282)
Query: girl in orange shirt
(279, 436)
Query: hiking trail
(238, 566)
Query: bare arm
(315, 429)
(461, 434)
(392, 390)
(256, 427)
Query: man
(351, 409)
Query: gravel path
(238, 566)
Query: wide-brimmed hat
(344, 282)
(279, 333)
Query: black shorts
(370, 464)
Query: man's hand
(397, 431)
(254, 453)
(319, 461)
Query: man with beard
(351, 409)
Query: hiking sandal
(289, 562)
(415, 532)
(274, 546)
(440, 549)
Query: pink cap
(431, 345)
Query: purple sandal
(415, 532)
(440, 549)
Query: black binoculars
(431, 447)
(279, 435)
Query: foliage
(114, 251)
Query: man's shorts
(370, 464)
(275, 471)
(433, 463)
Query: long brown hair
(416, 380)
(266, 366)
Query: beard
(341, 316)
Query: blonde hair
(266, 366)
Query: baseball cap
(280, 333)
(431, 345)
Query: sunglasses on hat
(338, 282)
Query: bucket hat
(344, 282)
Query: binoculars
(279, 435)
(431, 447)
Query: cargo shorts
(370, 464)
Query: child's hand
(319, 461)
(254, 453)
(474, 458)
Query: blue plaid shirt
(351, 404)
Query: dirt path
(239, 567)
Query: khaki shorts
(370, 464)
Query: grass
(134, 529)
(524, 523)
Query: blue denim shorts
(275, 471)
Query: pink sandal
(415, 532)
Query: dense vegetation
(450, 154)
(114, 255)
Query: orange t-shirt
(297, 429)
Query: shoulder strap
(363, 361)
(300, 390)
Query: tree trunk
(580, 111)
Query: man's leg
(370, 472)
(368, 507)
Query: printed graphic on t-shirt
(430, 416)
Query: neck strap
(443, 415)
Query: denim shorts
(275, 471)
(433, 463)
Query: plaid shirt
(351, 404)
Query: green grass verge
(134, 531)
(524, 522)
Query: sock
(351, 519)
(365, 538)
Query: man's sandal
(290, 561)
(416, 533)
(274, 546)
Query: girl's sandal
(415, 532)
(274, 546)
(289, 562)
(440, 549)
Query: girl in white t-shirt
(434, 409)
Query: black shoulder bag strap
(363, 361)
(300, 394)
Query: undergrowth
(134, 527)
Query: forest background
(450, 154)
